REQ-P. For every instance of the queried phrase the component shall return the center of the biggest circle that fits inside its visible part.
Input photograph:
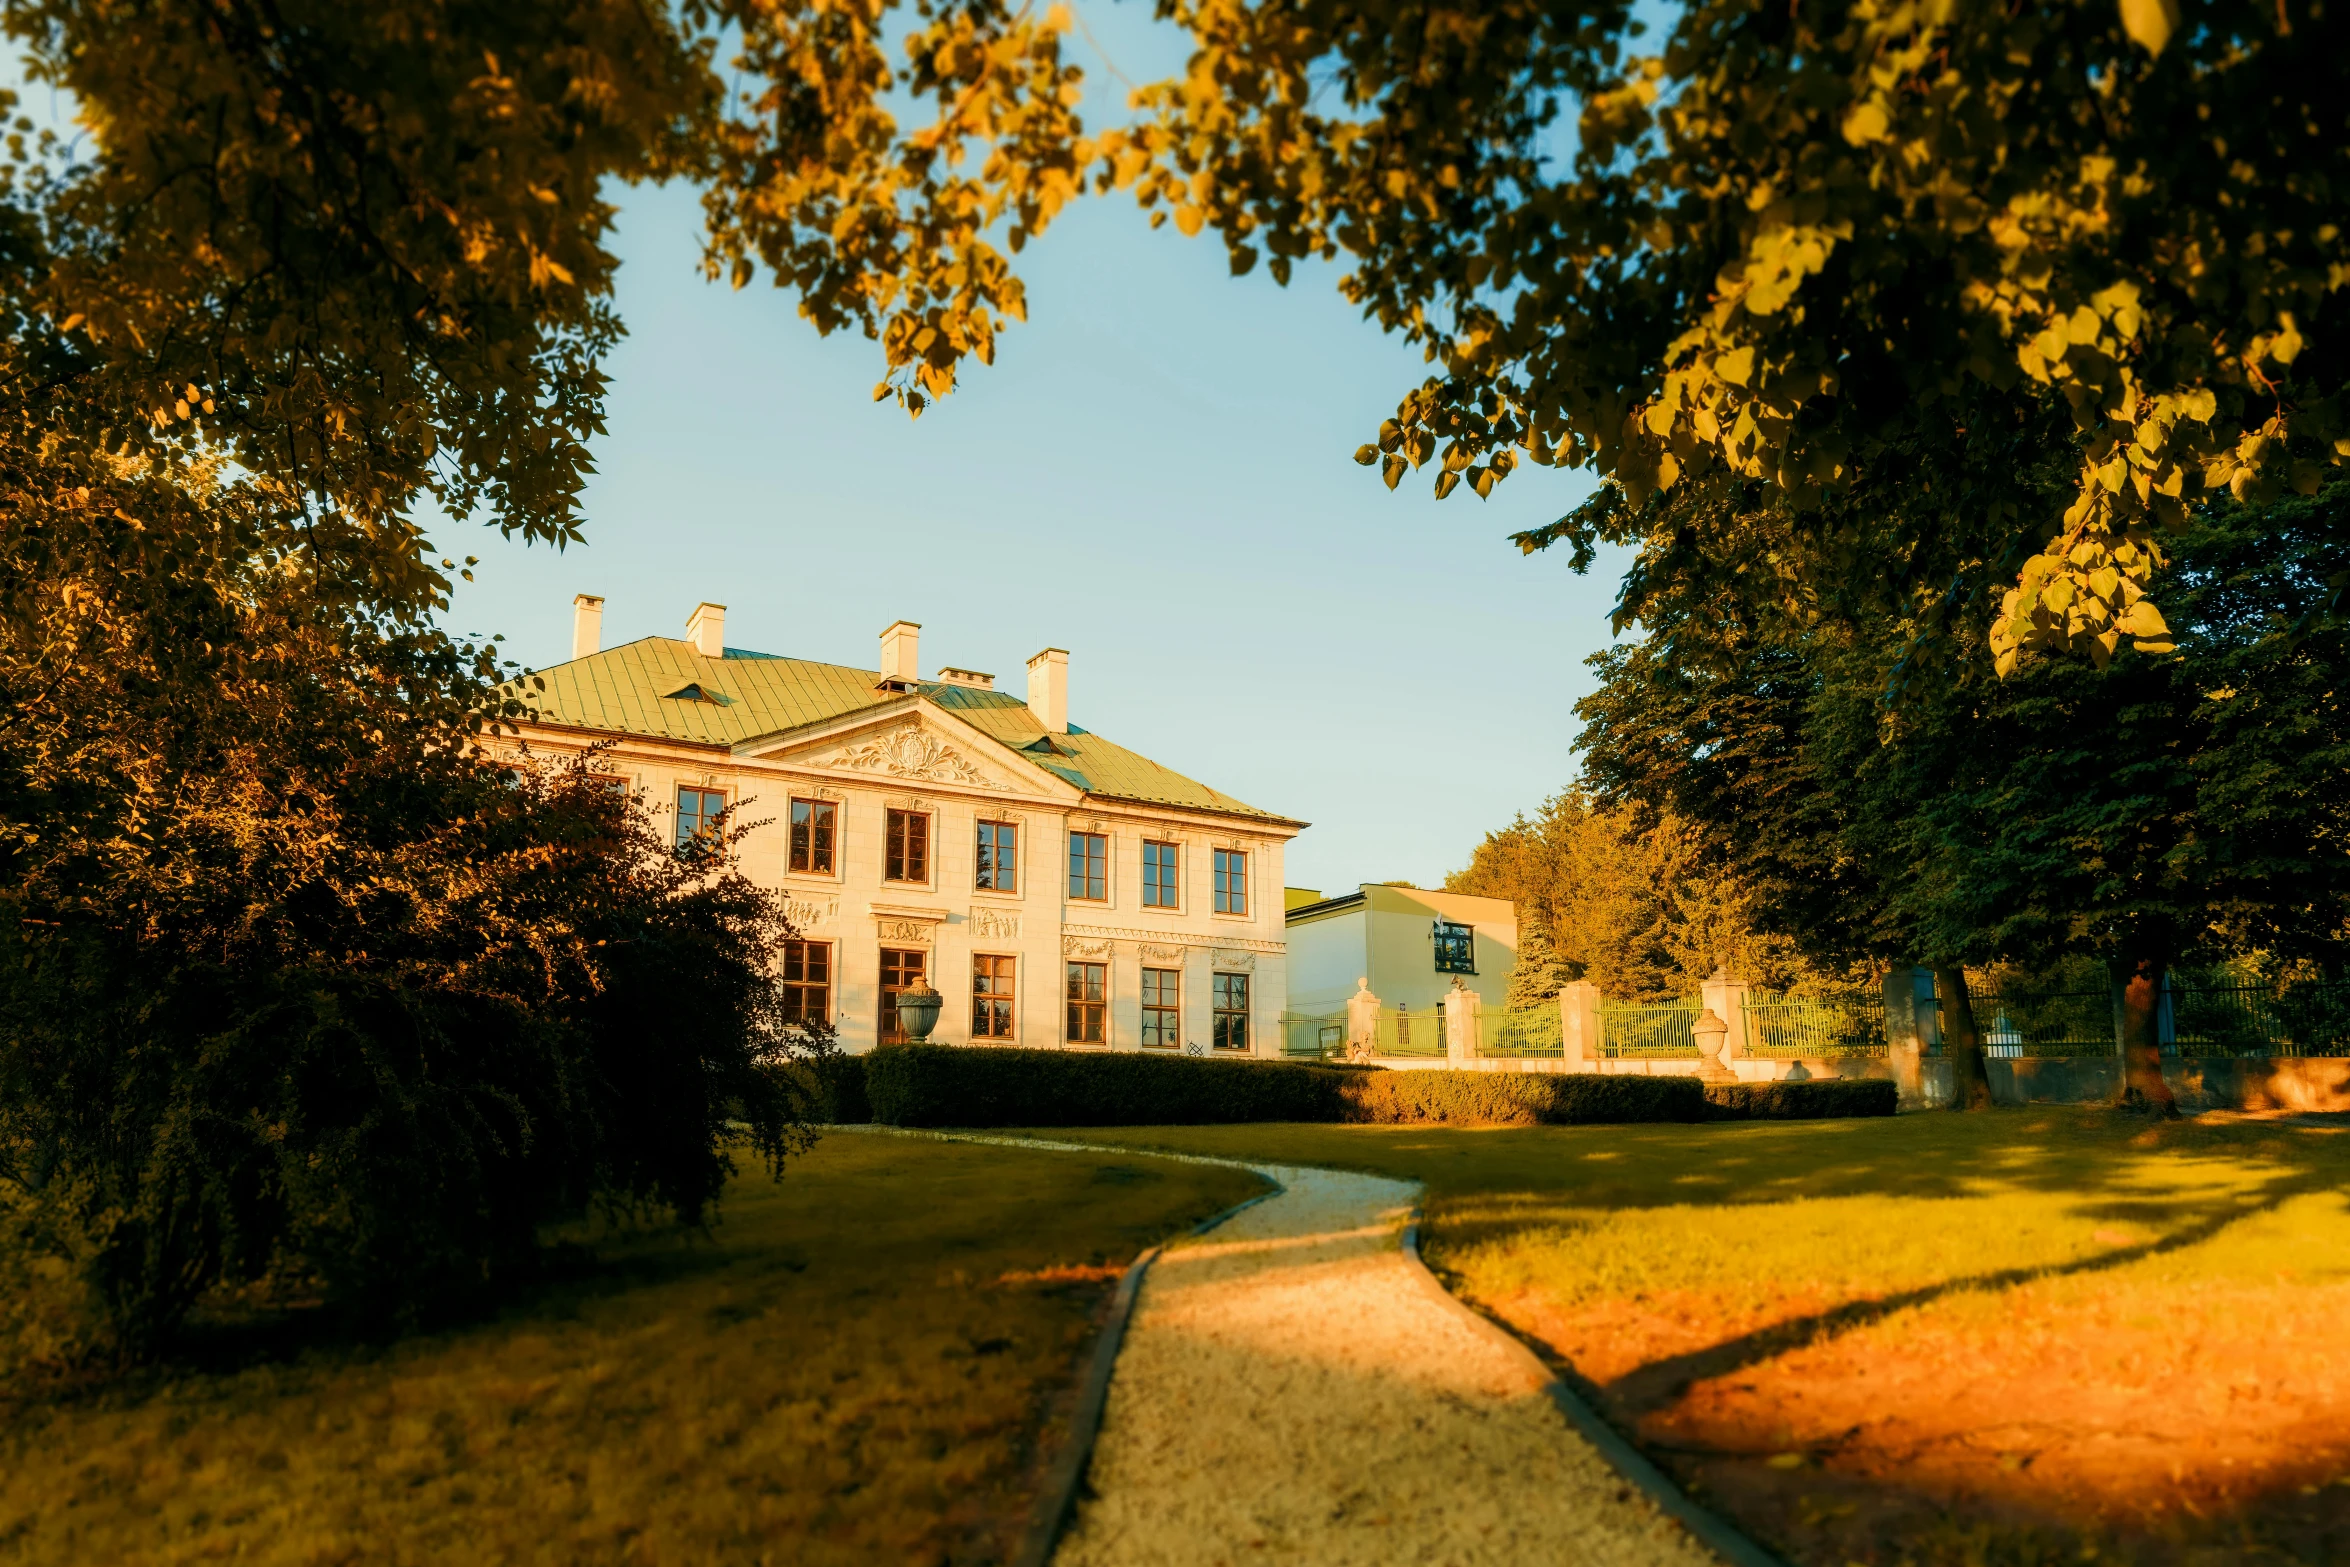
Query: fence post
(1579, 1023)
(1904, 1035)
(1362, 1020)
(1725, 998)
(1460, 1023)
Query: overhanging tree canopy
(1814, 254)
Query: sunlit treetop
(1788, 252)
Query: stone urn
(1711, 1031)
(918, 1006)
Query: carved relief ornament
(915, 933)
(804, 912)
(909, 751)
(1236, 962)
(1079, 947)
(995, 924)
(1161, 954)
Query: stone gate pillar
(1579, 1025)
(1460, 1024)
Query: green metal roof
(663, 688)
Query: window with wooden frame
(1231, 1011)
(1162, 1008)
(991, 996)
(906, 847)
(698, 813)
(1089, 866)
(1161, 875)
(1089, 1009)
(1231, 881)
(995, 866)
(901, 969)
(815, 825)
(1456, 948)
(807, 982)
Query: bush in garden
(1822, 1099)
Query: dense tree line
(1873, 805)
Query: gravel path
(1294, 1389)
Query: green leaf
(2150, 22)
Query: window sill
(996, 895)
(1235, 919)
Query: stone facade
(911, 748)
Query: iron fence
(2257, 1020)
(1403, 1032)
(1648, 1032)
(1520, 1035)
(1313, 1038)
(2048, 1023)
(1782, 1026)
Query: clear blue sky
(1155, 475)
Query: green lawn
(2011, 1337)
(858, 1365)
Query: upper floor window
(1089, 866)
(698, 811)
(997, 866)
(1159, 885)
(906, 849)
(1456, 948)
(812, 828)
(1231, 881)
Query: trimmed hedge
(840, 1090)
(959, 1085)
(1519, 1098)
(1819, 1100)
(965, 1085)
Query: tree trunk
(1962, 1042)
(2143, 1085)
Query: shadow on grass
(2171, 1394)
(1660, 1383)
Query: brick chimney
(705, 628)
(900, 644)
(587, 625)
(1048, 689)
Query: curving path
(1294, 1388)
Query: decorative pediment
(908, 751)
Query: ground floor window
(1089, 989)
(807, 982)
(1231, 994)
(991, 997)
(1162, 1009)
(902, 968)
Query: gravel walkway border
(1718, 1533)
(1066, 1478)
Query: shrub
(839, 1089)
(367, 1015)
(1519, 1098)
(1822, 1100)
(958, 1085)
(962, 1085)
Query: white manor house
(1058, 889)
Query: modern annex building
(1057, 888)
